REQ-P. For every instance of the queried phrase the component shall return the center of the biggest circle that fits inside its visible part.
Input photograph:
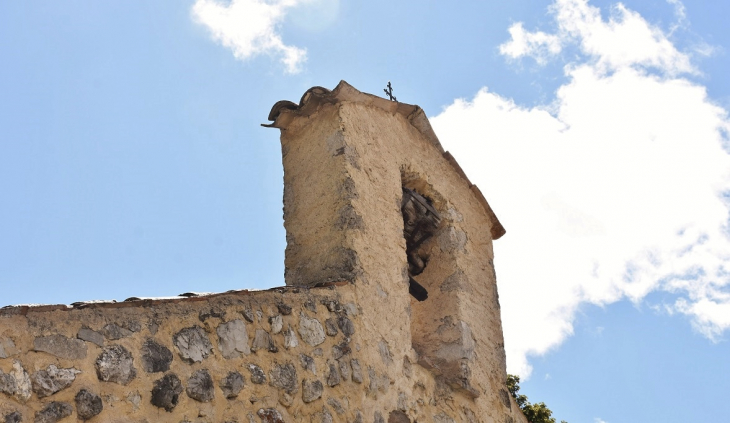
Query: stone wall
(283, 355)
(247, 356)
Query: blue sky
(132, 163)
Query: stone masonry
(390, 310)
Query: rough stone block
(193, 344)
(48, 382)
(92, 336)
(200, 386)
(115, 364)
(232, 384)
(290, 338)
(16, 383)
(113, 332)
(60, 346)
(262, 341)
(333, 375)
(7, 348)
(270, 415)
(284, 309)
(88, 404)
(330, 326)
(54, 412)
(346, 326)
(166, 392)
(14, 417)
(311, 390)
(277, 323)
(155, 357)
(311, 330)
(284, 376)
(307, 363)
(233, 339)
(257, 374)
(356, 371)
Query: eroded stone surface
(232, 384)
(284, 309)
(270, 415)
(442, 418)
(345, 370)
(233, 339)
(113, 332)
(310, 305)
(356, 371)
(14, 417)
(290, 338)
(155, 357)
(60, 346)
(166, 392)
(248, 315)
(284, 376)
(351, 309)
(48, 382)
(336, 405)
(311, 390)
(333, 375)
(88, 404)
(193, 344)
(257, 374)
(7, 348)
(16, 383)
(200, 386)
(307, 363)
(378, 417)
(277, 323)
(346, 326)
(398, 416)
(115, 364)
(263, 341)
(402, 402)
(54, 412)
(323, 416)
(330, 326)
(310, 330)
(92, 336)
(7, 383)
(339, 350)
(385, 352)
(457, 281)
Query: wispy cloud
(616, 189)
(249, 28)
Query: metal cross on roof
(389, 92)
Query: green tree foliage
(535, 413)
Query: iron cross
(389, 92)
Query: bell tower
(371, 198)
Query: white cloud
(249, 28)
(613, 191)
(626, 39)
(536, 44)
(599, 420)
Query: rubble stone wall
(283, 355)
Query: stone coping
(24, 309)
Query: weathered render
(377, 217)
